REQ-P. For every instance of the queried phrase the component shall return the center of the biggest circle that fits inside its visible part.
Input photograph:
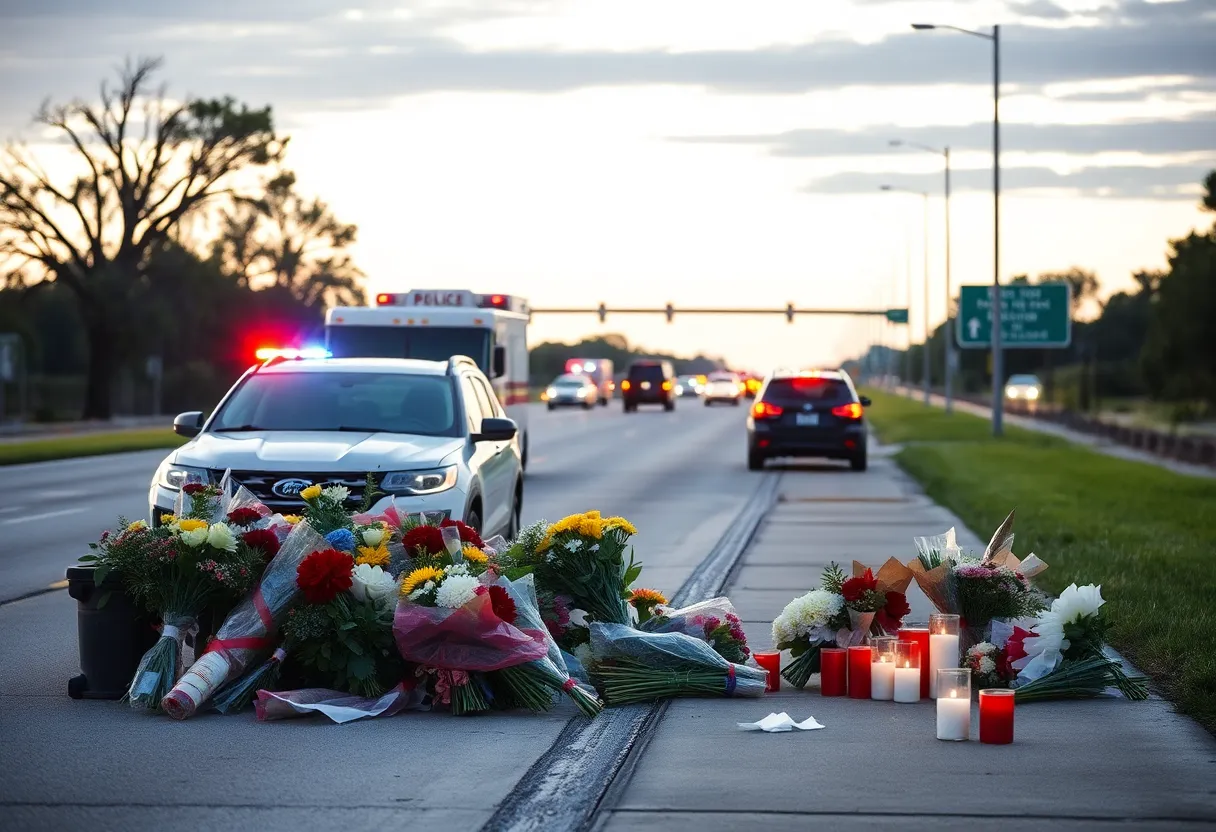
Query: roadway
(680, 477)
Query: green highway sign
(1032, 316)
(897, 316)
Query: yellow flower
(292, 518)
(373, 556)
(192, 525)
(419, 577)
(311, 493)
(647, 596)
(136, 526)
(592, 515)
(474, 555)
(168, 519)
(620, 523)
(591, 527)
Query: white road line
(43, 516)
(59, 494)
(10, 509)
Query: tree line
(548, 360)
(1156, 340)
(175, 233)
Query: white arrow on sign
(974, 326)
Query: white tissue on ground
(777, 723)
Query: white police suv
(431, 433)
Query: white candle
(943, 652)
(882, 679)
(907, 684)
(953, 716)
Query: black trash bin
(112, 639)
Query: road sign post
(1032, 317)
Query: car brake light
(667, 385)
(764, 410)
(625, 385)
(852, 410)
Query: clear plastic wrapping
(469, 638)
(246, 636)
(338, 706)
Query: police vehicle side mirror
(188, 424)
(496, 430)
(500, 362)
(865, 401)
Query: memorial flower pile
(588, 558)
(714, 622)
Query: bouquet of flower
(882, 594)
(1064, 656)
(584, 556)
(534, 684)
(450, 622)
(177, 571)
(990, 665)
(713, 621)
(841, 613)
(247, 635)
(630, 665)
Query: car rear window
(646, 372)
(800, 390)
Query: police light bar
(267, 353)
(385, 299)
(495, 301)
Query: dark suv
(809, 413)
(649, 382)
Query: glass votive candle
(882, 671)
(907, 671)
(770, 662)
(954, 703)
(920, 635)
(996, 716)
(861, 656)
(833, 672)
(943, 646)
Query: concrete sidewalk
(1076, 765)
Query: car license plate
(806, 419)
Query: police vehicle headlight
(551, 392)
(175, 476)
(417, 483)
(1032, 393)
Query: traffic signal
(789, 313)
(671, 312)
(603, 312)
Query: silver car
(572, 390)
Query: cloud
(1170, 182)
(1152, 137)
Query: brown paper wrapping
(892, 576)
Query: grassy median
(1147, 535)
(87, 444)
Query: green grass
(90, 444)
(1147, 535)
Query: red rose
(855, 588)
(428, 539)
(502, 604)
(468, 534)
(193, 488)
(263, 539)
(244, 516)
(324, 574)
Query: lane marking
(43, 516)
(59, 494)
(58, 585)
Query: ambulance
(435, 324)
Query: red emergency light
(497, 301)
(384, 299)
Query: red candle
(920, 636)
(772, 663)
(860, 659)
(996, 716)
(833, 679)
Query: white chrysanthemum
(373, 537)
(456, 591)
(805, 613)
(987, 665)
(219, 536)
(1077, 602)
(583, 654)
(194, 538)
(457, 569)
(336, 493)
(982, 649)
(371, 583)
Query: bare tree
(293, 243)
(145, 163)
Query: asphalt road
(680, 477)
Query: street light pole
(949, 331)
(925, 345)
(998, 358)
(925, 348)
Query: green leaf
(103, 599)
(361, 667)
(100, 574)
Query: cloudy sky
(703, 152)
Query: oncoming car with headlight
(1023, 393)
(431, 433)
